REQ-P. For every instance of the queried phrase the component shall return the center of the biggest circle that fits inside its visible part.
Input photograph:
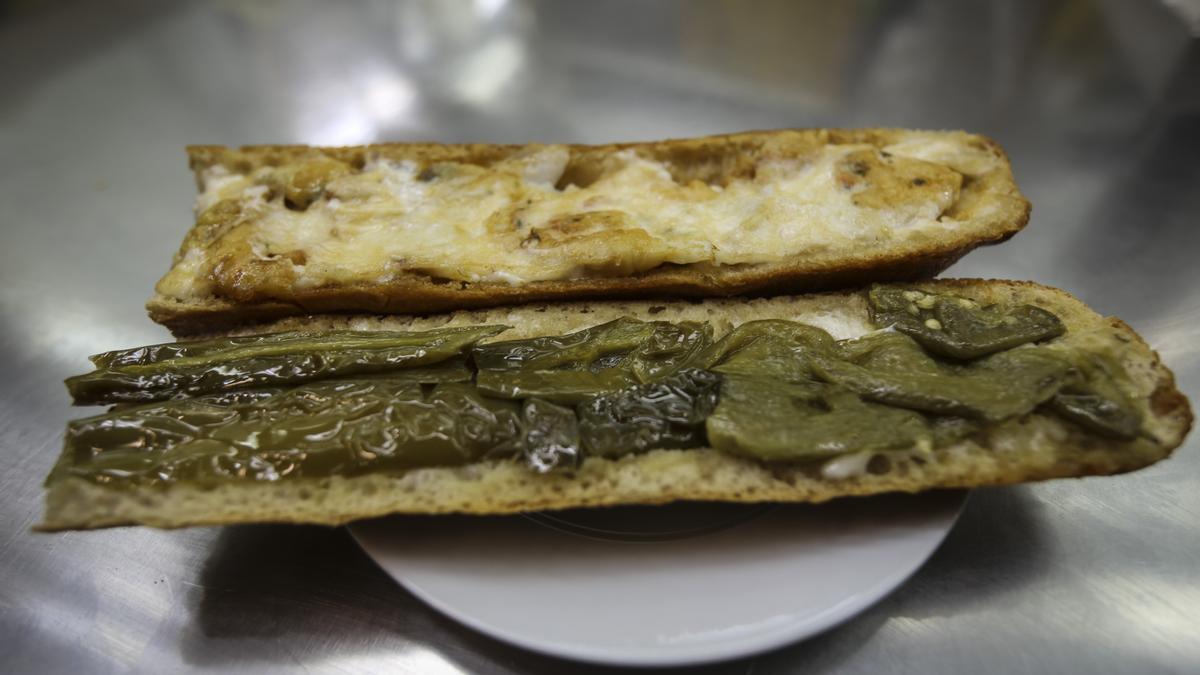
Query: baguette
(1034, 447)
(423, 228)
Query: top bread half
(423, 228)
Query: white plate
(669, 585)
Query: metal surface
(1097, 103)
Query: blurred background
(1096, 101)
(1092, 98)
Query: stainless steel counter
(1097, 103)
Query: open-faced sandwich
(375, 407)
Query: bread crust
(1035, 447)
(990, 201)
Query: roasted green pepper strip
(890, 368)
(957, 327)
(572, 368)
(551, 437)
(574, 350)
(669, 413)
(558, 386)
(773, 421)
(1098, 414)
(645, 350)
(1096, 402)
(669, 349)
(771, 348)
(318, 429)
(279, 362)
(791, 333)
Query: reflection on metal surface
(413, 658)
(486, 73)
(388, 95)
(472, 51)
(1096, 103)
(377, 97)
(1189, 11)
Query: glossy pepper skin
(161, 372)
(668, 413)
(343, 427)
(570, 369)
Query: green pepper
(558, 386)
(773, 348)
(574, 350)
(776, 421)
(892, 369)
(190, 369)
(550, 439)
(669, 349)
(1096, 402)
(572, 368)
(791, 333)
(957, 327)
(669, 413)
(341, 427)
(646, 350)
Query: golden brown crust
(1036, 447)
(690, 475)
(990, 200)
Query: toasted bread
(1034, 447)
(423, 228)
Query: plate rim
(652, 657)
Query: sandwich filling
(540, 215)
(938, 369)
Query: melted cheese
(932, 147)
(852, 465)
(508, 223)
